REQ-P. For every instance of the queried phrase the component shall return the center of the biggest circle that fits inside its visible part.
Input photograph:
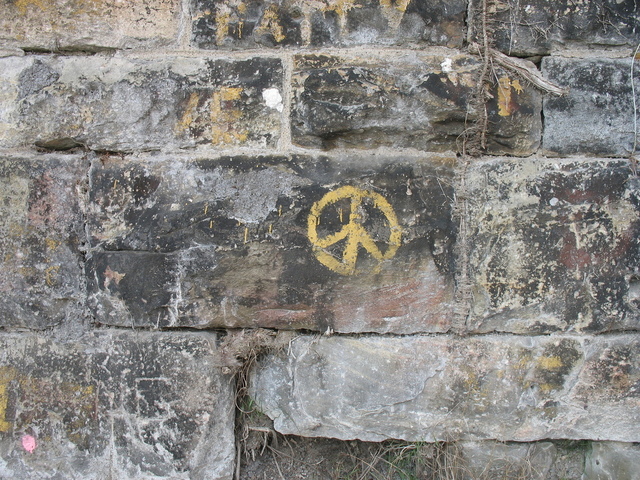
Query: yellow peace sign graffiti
(354, 231)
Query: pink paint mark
(29, 443)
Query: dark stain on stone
(556, 363)
(441, 85)
(35, 78)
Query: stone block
(539, 27)
(118, 104)
(276, 242)
(115, 405)
(445, 388)
(612, 461)
(552, 245)
(253, 24)
(407, 101)
(492, 460)
(41, 231)
(596, 116)
(89, 25)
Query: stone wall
(413, 220)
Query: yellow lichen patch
(550, 363)
(51, 243)
(7, 374)
(507, 88)
(270, 23)
(23, 5)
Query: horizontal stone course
(552, 245)
(237, 242)
(118, 104)
(89, 25)
(274, 23)
(126, 405)
(41, 232)
(596, 117)
(444, 388)
(408, 101)
(539, 27)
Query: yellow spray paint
(189, 115)
(270, 23)
(506, 89)
(7, 374)
(353, 232)
(223, 119)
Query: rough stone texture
(435, 388)
(117, 104)
(407, 101)
(115, 405)
(544, 26)
(226, 242)
(552, 245)
(596, 116)
(253, 24)
(88, 25)
(493, 460)
(612, 461)
(41, 230)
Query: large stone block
(407, 101)
(443, 388)
(612, 461)
(544, 26)
(115, 405)
(88, 25)
(41, 231)
(253, 24)
(596, 117)
(278, 242)
(117, 104)
(553, 245)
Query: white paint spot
(447, 65)
(553, 202)
(272, 98)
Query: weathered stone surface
(118, 104)
(544, 26)
(278, 242)
(491, 460)
(416, 101)
(434, 388)
(41, 230)
(88, 25)
(252, 24)
(553, 245)
(115, 405)
(596, 116)
(612, 461)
